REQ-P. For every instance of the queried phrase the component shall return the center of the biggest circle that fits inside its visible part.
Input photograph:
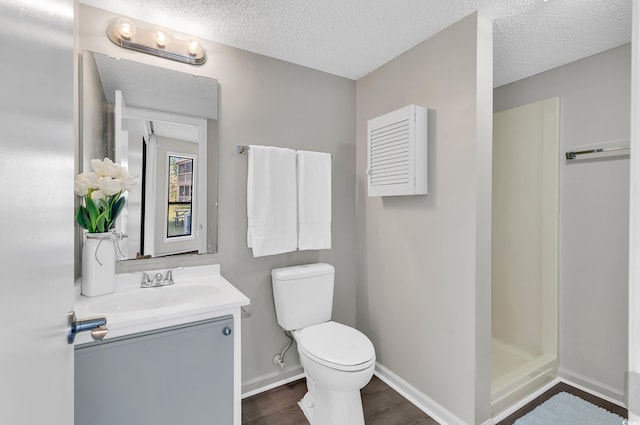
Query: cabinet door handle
(226, 331)
(75, 325)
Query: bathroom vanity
(171, 354)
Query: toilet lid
(337, 345)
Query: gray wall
(423, 294)
(594, 202)
(265, 101)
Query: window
(179, 208)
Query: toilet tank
(303, 295)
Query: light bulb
(161, 37)
(193, 47)
(126, 28)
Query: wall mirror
(162, 125)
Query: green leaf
(93, 212)
(85, 219)
(113, 199)
(82, 217)
(116, 209)
(101, 223)
(105, 209)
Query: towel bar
(240, 149)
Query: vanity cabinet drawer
(178, 375)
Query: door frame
(633, 377)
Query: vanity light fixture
(159, 42)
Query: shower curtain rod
(623, 150)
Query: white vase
(98, 264)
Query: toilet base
(332, 407)
(333, 396)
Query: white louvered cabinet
(397, 152)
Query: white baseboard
(266, 382)
(599, 389)
(439, 413)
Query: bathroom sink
(151, 298)
(199, 293)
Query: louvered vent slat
(389, 151)
(392, 152)
(390, 147)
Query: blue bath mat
(567, 409)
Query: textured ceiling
(351, 38)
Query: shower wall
(524, 250)
(525, 227)
(594, 214)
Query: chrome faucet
(157, 280)
(168, 278)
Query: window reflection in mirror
(180, 175)
(160, 113)
(173, 153)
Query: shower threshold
(517, 374)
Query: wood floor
(381, 404)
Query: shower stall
(524, 251)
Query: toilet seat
(336, 346)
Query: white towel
(314, 200)
(271, 200)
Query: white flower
(98, 194)
(106, 180)
(107, 168)
(110, 186)
(85, 181)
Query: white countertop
(199, 293)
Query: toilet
(338, 360)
